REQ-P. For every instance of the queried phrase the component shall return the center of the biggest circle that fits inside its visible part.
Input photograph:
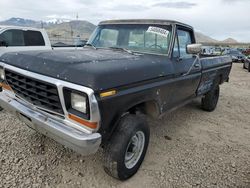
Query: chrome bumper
(82, 142)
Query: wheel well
(150, 108)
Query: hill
(22, 22)
(203, 38)
(230, 40)
(83, 29)
(64, 30)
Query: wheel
(126, 150)
(244, 67)
(210, 100)
(1, 108)
(248, 67)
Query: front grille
(39, 93)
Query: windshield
(139, 38)
(235, 52)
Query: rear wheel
(244, 66)
(210, 100)
(126, 150)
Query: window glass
(108, 37)
(13, 37)
(184, 39)
(33, 38)
(176, 48)
(135, 37)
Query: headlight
(2, 75)
(76, 103)
(79, 102)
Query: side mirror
(3, 43)
(194, 49)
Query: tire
(210, 100)
(244, 67)
(248, 67)
(1, 109)
(121, 143)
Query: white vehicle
(13, 38)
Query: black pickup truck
(98, 97)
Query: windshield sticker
(158, 31)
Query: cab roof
(3, 27)
(145, 21)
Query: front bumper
(81, 142)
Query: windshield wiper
(91, 45)
(123, 49)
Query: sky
(219, 19)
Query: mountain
(201, 38)
(21, 22)
(65, 29)
(230, 40)
(204, 39)
(56, 28)
(71, 29)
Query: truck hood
(99, 69)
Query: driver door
(187, 75)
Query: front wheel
(126, 150)
(210, 100)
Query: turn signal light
(6, 86)
(83, 122)
(108, 93)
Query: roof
(144, 21)
(18, 27)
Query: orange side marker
(83, 122)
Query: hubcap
(134, 149)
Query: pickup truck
(14, 38)
(99, 97)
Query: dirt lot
(188, 148)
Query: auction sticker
(158, 31)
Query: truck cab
(14, 39)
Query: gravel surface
(188, 148)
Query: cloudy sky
(219, 19)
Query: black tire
(244, 67)
(1, 108)
(210, 100)
(248, 67)
(115, 150)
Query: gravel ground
(188, 148)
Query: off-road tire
(210, 100)
(114, 151)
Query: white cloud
(217, 18)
